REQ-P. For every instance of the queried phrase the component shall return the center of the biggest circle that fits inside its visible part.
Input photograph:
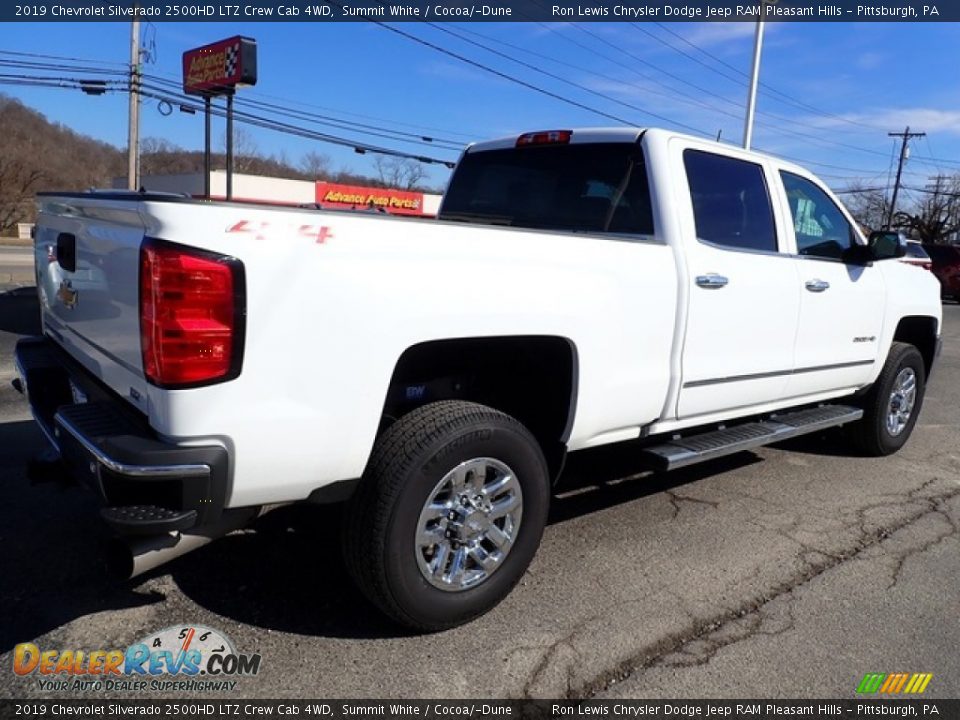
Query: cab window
(821, 228)
(731, 205)
(589, 187)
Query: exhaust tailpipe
(130, 557)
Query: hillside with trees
(38, 155)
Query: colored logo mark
(894, 683)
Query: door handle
(817, 285)
(712, 281)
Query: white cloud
(928, 120)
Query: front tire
(891, 406)
(448, 515)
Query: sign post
(219, 69)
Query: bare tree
(246, 152)
(159, 156)
(396, 172)
(936, 217)
(19, 180)
(37, 155)
(315, 164)
(153, 145)
(868, 206)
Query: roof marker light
(545, 137)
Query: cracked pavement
(787, 572)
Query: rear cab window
(589, 187)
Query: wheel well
(921, 332)
(532, 378)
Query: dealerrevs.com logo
(186, 658)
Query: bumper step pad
(717, 443)
(147, 519)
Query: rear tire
(891, 406)
(448, 515)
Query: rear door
(743, 298)
(842, 303)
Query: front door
(743, 293)
(841, 305)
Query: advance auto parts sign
(218, 68)
(357, 197)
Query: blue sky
(833, 90)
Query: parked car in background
(946, 266)
(916, 255)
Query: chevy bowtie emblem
(67, 295)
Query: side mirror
(885, 245)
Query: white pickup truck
(201, 361)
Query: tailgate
(87, 253)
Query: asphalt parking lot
(784, 573)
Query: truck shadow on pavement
(53, 549)
(302, 586)
(53, 541)
(20, 311)
(284, 573)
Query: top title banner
(492, 11)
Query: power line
(397, 135)
(567, 81)
(764, 87)
(674, 95)
(58, 67)
(778, 126)
(256, 93)
(163, 94)
(509, 78)
(62, 57)
(371, 130)
(28, 64)
(250, 119)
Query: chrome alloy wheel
(468, 524)
(902, 399)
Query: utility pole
(754, 81)
(905, 137)
(133, 136)
(755, 74)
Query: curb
(19, 278)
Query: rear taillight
(928, 266)
(191, 315)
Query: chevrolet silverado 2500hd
(201, 361)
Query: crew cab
(579, 288)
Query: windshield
(597, 187)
